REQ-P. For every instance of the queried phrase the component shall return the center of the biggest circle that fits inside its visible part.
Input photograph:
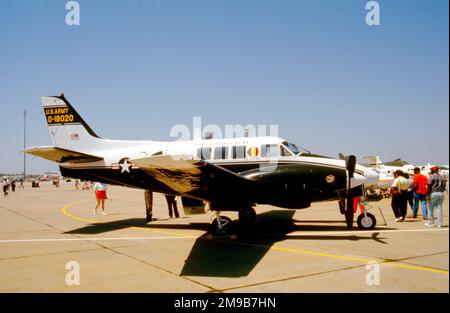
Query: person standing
(420, 183)
(148, 195)
(5, 187)
(410, 197)
(172, 203)
(100, 195)
(436, 188)
(399, 192)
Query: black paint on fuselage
(284, 184)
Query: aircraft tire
(366, 223)
(247, 216)
(225, 230)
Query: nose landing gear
(366, 221)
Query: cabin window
(270, 151)
(220, 153)
(204, 153)
(238, 152)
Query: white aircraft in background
(231, 174)
(388, 168)
(425, 169)
(385, 172)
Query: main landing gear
(223, 225)
(247, 216)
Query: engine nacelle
(193, 206)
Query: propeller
(350, 164)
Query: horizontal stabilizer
(61, 155)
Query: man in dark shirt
(436, 188)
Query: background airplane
(386, 171)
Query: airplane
(232, 174)
(426, 169)
(375, 162)
(388, 168)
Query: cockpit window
(285, 151)
(297, 150)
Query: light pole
(24, 144)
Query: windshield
(296, 149)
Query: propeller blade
(350, 164)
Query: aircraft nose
(368, 178)
(371, 177)
(356, 180)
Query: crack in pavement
(112, 250)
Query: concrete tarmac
(50, 235)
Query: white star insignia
(125, 166)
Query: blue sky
(133, 69)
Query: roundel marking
(253, 151)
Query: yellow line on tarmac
(64, 211)
(277, 248)
(349, 258)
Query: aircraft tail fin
(373, 161)
(67, 128)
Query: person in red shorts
(100, 195)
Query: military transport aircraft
(231, 174)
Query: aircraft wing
(186, 175)
(61, 155)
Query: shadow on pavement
(236, 256)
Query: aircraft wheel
(366, 223)
(247, 216)
(223, 228)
